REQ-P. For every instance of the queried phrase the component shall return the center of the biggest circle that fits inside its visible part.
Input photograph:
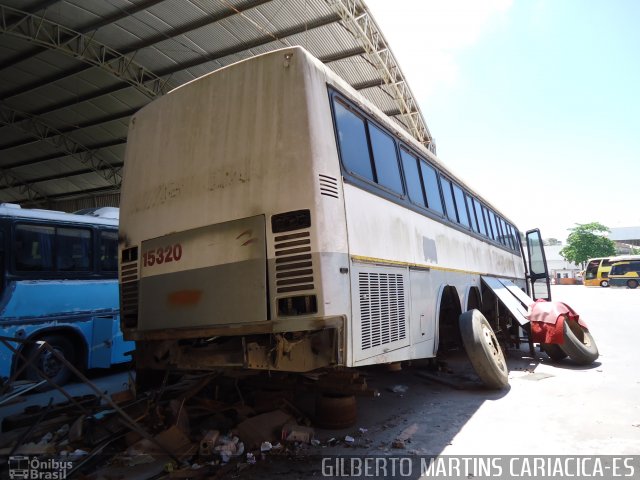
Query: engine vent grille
(328, 186)
(382, 308)
(129, 294)
(294, 267)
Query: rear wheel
(632, 284)
(604, 283)
(48, 363)
(554, 351)
(483, 349)
(578, 343)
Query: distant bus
(625, 273)
(597, 271)
(59, 284)
(273, 219)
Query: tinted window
(472, 217)
(108, 249)
(494, 225)
(514, 235)
(448, 199)
(478, 209)
(34, 247)
(412, 176)
(352, 137)
(73, 250)
(503, 232)
(385, 159)
(462, 208)
(430, 179)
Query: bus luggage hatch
(512, 297)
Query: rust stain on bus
(184, 297)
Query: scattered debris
(349, 439)
(398, 389)
(297, 433)
(266, 447)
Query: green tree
(587, 241)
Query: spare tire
(554, 351)
(578, 343)
(483, 349)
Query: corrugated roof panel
(167, 54)
(75, 15)
(177, 13)
(121, 34)
(127, 97)
(9, 135)
(99, 134)
(293, 10)
(35, 150)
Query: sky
(534, 103)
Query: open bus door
(538, 277)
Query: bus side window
(34, 248)
(494, 225)
(74, 252)
(460, 206)
(448, 199)
(352, 137)
(472, 215)
(385, 159)
(481, 224)
(412, 176)
(431, 188)
(108, 251)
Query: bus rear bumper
(289, 345)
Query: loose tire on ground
(632, 284)
(604, 283)
(578, 343)
(46, 361)
(554, 351)
(483, 349)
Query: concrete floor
(548, 409)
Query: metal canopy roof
(72, 72)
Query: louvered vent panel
(382, 311)
(294, 267)
(129, 294)
(328, 186)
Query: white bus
(274, 219)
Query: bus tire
(604, 283)
(554, 351)
(632, 284)
(55, 370)
(483, 349)
(579, 343)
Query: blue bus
(59, 284)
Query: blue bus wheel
(48, 363)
